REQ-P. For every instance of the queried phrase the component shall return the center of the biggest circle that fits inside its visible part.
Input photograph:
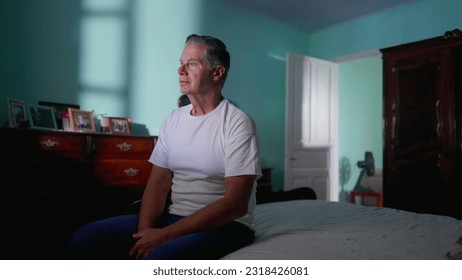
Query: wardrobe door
(455, 188)
(419, 150)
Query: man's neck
(202, 105)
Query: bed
(322, 230)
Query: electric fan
(367, 168)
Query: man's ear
(218, 72)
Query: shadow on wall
(344, 177)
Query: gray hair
(216, 53)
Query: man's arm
(154, 196)
(232, 206)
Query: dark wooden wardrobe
(422, 125)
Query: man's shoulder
(238, 116)
(233, 109)
(180, 111)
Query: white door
(311, 152)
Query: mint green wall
(38, 51)
(360, 113)
(418, 20)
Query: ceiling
(313, 15)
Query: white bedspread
(321, 230)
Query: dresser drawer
(33, 144)
(122, 172)
(122, 147)
(63, 143)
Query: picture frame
(119, 126)
(41, 117)
(17, 113)
(81, 121)
(61, 112)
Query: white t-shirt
(202, 151)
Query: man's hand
(148, 240)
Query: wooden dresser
(54, 181)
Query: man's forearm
(210, 217)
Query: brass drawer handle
(49, 143)
(124, 147)
(132, 172)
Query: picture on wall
(17, 113)
(41, 117)
(81, 120)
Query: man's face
(195, 77)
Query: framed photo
(81, 121)
(17, 113)
(120, 126)
(60, 111)
(41, 117)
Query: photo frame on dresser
(17, 113)
(41, 117)
(120, 126)
(61, 112)
(81, 121)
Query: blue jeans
(111, 239)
